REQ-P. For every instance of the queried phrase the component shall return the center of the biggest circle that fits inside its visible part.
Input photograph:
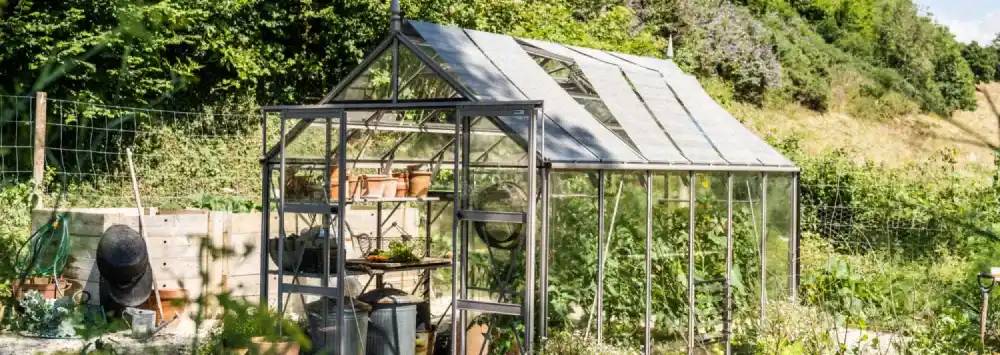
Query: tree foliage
(193, 53)
(984, 61)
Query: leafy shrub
(896, 250)
(983, 61)
(242, 321)
(725, 40)
(15, 207)
(798, 330)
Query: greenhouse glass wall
(576, 196)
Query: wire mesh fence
(16, 118)
(182, 159)
(845, 215)
(195, 159)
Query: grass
(896, 140)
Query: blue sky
(969, 20)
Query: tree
(982, 61)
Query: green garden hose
(55, 234)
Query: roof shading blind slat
(737, 144)
(525, 73)
(476, 72)
(621, 100)
(680, 126)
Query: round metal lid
(389, 297)
(352, 304)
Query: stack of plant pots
(377, 185)
(402, 183)
(353, 190)
(419, 181)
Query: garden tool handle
(985, 289)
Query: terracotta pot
(402, 184)
(43, 285)
(238, 351)
(425, 343)
(389, 190)
(375, 185)
(174, 301)
(260, 345)
(352, 187)
(476, 339)
(420, 183)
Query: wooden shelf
(423, 264)
(357, 267)
(393, 199)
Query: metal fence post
(38, 161)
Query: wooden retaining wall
(178, 246)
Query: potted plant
(274, 345)
(247, 329)
(46, 317)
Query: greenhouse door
(494, 236)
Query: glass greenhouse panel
(374, 83)
(384, 146)
(496, 250)
(746, 278)
(418, 82)
(491, 146)
(779, 239)
(411, 135)
(493, 334)
(711, 218)
(624, 260)
(495, 266)
(571, 78)
(669, 254)
(310, 142)
(572, 255)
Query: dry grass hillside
(968, 137)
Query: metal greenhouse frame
(579, 140)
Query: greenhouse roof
(602, 110)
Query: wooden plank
(246, 285)
(93, 287)
(82, 269)
(170, 225)
(217, 224)
(86, 269)
(242, 223)
(176, 268)
(38, 163)
(245, 259)
(93, 222)
(85, 247)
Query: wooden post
(38, 163)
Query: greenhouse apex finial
(670, 47)
(395, 19)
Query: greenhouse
(556, 193)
